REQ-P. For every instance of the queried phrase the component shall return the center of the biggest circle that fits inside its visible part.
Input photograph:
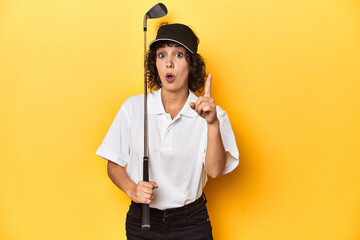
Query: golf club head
(157, 11)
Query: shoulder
(134, 101)
(130, 108)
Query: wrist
(214, 124)
(130, 190)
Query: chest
(183, 136)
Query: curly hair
(197, 73)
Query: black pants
(190, 222)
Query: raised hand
(205, 105)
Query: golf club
(157, 11)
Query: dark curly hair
(197, 73)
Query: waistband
(178, 210)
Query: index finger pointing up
(208, 86)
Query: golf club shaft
(145, 225)
(157, 11)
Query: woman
(189, 138)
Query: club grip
(145, 225)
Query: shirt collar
(155, 105)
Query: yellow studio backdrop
(286, 72)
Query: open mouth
(169, 77)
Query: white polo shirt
(177, 148)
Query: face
(172, 67)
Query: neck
(173, 102)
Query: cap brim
(169, 39)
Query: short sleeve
(229, 142)
(116, 144)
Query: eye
(161, 55)
(179, 54)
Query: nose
(169, 63)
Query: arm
(215, 159)
(139, 193)
(205, 106)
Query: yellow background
(287, 73)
